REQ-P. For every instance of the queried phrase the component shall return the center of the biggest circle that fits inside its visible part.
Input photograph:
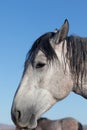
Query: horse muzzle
(23, 119)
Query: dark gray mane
(43, 44)
(77, 54)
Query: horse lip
(33, 122)
(27, 126)
(22, 126)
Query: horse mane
(77, 55)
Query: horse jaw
(38, 101)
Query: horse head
(44, 80)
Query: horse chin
(32, 126)
(27, 125)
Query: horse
(60, 124)
(55, 65)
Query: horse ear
(63, 31)
(61, 34)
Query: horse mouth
(28, 124)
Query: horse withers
(55, 65)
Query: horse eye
(40, 65)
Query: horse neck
(81, 87)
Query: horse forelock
(77, 55)
(43, 44)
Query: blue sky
(21, 23)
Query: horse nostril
(18, 115)
(15, 115)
